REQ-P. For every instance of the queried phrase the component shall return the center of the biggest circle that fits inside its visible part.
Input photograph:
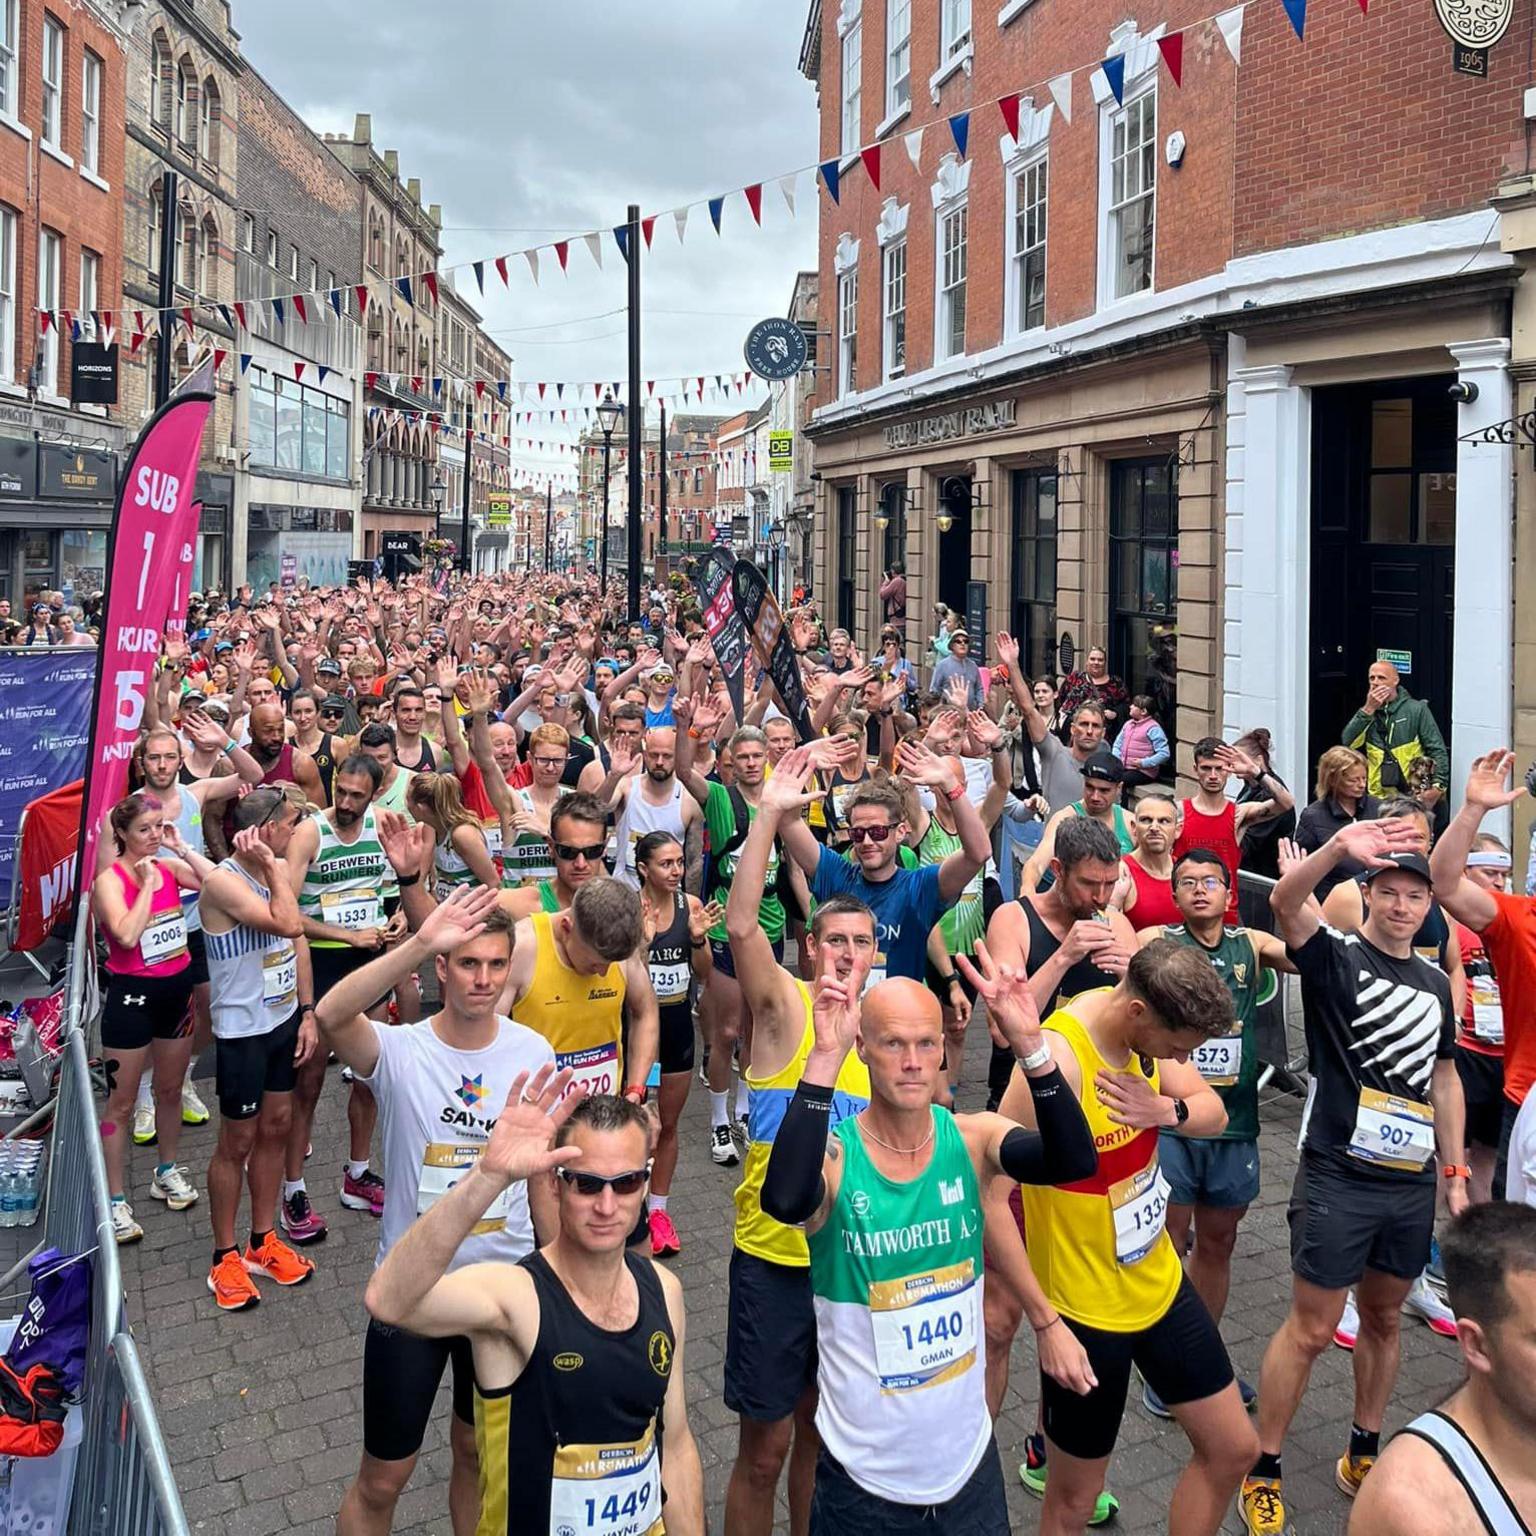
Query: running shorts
(1343, 1224)
(675, 1047)
(720, 953)
(839, 1505)
(1221, 1175)
(770, 1338)
(140, 1009)
(331, 965)
(401, 1374)
(197, 951)
(253, 1065)
(1482, 1086)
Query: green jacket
(1407, 730)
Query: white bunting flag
(595, 245)
(1061, 94)
(787, 187)
(681, 216)
(1231, 25)
(532, 258)
(914, 144)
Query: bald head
(1384, 675)
(266, 725)
(901, 1041)
(897, 1000)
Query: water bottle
(31, 1186)
(10, 1189)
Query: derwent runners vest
(761, 1235)
(897, 1280)
(344, 884)
(581, 1016)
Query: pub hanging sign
(1474, 27)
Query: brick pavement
(262, 1410)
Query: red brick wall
(44, 192)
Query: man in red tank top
(1148, 901)
(1213, 822)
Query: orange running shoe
(232, 1288)
(277, 1259)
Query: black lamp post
(437, 490)
(609, 415)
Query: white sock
(291, 1187)
(357, 1170)
(659, 1203)
(743, 1098)
(718, 1113)
(146, 1097)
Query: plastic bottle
(9, 1188)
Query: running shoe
(1435, 1273)
(232, 1288)
(300, 1220)
(1428, 1303)
(144, 1125)
(193, 1110)
(1260, 1507)
(1349, 1325)
(1349, 1472)
(1248, 1394)
(1032, 1473)
(364, 1194)
(741, 1129)
(124, 1228)
(1153, 1403)
(663, 1236)
(346, 1074)
(277, 1259)
(174, 1187)
(722, 1147)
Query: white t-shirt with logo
(437, 1106)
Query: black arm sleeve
(792, 1183)
(1062, 1151)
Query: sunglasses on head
(593, 1184)
(874, 834)
(568, 853)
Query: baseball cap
(329, 665)
(1414, 863)
(1102, 764)
(660, 670)
(333, 703)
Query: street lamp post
(609, 414)
(469, 438)
(437, 490)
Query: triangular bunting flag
(245, 361)
(787, 187)
(135, 342)
(299, 308)
(914, 146)
(754, 197)
(650, 388)
(430, 279)
(1061, 94)
(501, 270)
(871, 159)
(337, 301)
(559, 391)
(370, 380)
(716, 207)
(594, 248)
(226, 316)
(960, 127)
(1009, 106)
(187, 318)
(324, 371)
(404, 285)
(44, 320)
(647, 229)
(501, 388)
(437, 386)
(479, 270)
(680, 218)
(562, 252)
(1172, 50)
(277, 309)
(298, 371)
(417, 384)
(479, 388)
(1114, 74)
(542, 387)
(1297, 11)
(1230, 25)
(361, 290)
(830, 174)
(532, 258)
(621, 239)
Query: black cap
(329, 665)
(334, 703)
(1414, 863)
(1102, 764)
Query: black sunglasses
(874, 834)
(591, 852)
(593, 1184)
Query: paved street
(262, 1410)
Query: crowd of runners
(502, 865)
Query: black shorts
(331, 965)
(1506, 1130)
(254, 1065)
(770, 1338)
(939, 985)
(840, 1505)
(197, 951)
(140, 1009)
(674, 1051)
(725, 961)
(1343, 1224)
(1482, 1086)
(1181, 1357)
(401, 1375)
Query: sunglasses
(874, 834)
(333, 712)
(568, 853)
(593, 1184)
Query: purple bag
(55, 1327)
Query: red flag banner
(1172, 49)
(50, 839)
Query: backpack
(31, 1411)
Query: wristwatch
(1180, 1112)
(1455, 1171)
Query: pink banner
(149, 563)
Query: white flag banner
(787, 187)
(595, 246)
(532, 258)
(681, 217)
(1061, 94)
(914, 146)
(1231, 25)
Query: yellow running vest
(1099, 1248)
(581, 1016)
(761, 1235)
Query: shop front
(287, 542)
(55, 509)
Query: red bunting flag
(187, 320)
(1172, 50)
(239, 315)
(501, 270)
(754, 197)
(362, 301)
(430, 279)
(542, 387)
(299, 308)
(562, 251)
(1009, 106)
(219, 354)
(418, 384)
(136, 342)
(648, 228)
(871, 159)
(650, 388)
(479, 388)
(44, 320)
(370, 380)
(298, 372)
(141, 328)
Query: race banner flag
(764, 620)
(50, 840)
(724, 623)
(153, 525)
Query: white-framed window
(91, 76)
(953, 221)
(247, 232)
(314, 275)
(272, 248)
(954, 28)
(853, 69)
(1026, 245)
(9, 42)
(898, 55)
(186, 103)
(293, 262)
(50, 265)
(8, 295)
(847, 331)
(90, 293)
(1129, 197)
(894, 290)
(53, 83)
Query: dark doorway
(847, 551)
(1143, 581)
(1383, 545)
(955, 546)
(1033, 608)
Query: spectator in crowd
(957, 665)
(893, 597)
(1342, 798)
(1392, 728)
(1094, 685)
(1142, 747)
(1260, 841)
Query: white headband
(1490, 858)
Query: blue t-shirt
(662, 716)
(906, 907)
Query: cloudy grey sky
(530, 122)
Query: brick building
(1173, 376)
(62, 82)
(183, 115)
(689, 465)
(299, 231)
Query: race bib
(596, 1069)
(1220, 1061)
(925, 1327)
(164, 938)
(606, 1490)
(352, 909)
(1487, 1010)
(670, 982)
(1140, 1208)
(280, 977)
(492, 830)
(443, 1164)
(1391, 1132)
